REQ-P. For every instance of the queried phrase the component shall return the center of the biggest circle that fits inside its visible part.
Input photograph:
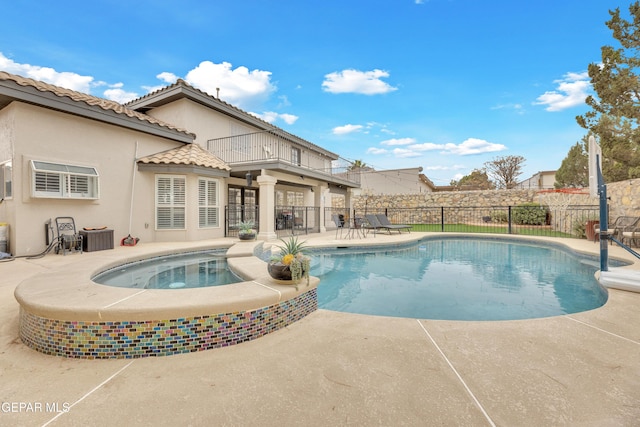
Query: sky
(445, 85)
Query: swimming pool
(186, 270)
(452, 278)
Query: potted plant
(246, 230)
(585, 226)
(291, 263)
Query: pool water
(190, 270)
(458, 279)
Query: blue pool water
(190, 270)
(458, 279)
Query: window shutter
(170, 202)
(207, 203)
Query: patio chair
(68, 239)
(340, 223)
(384, 220)
(361, 225)
(621, 225)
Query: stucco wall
(397, 181)
(42, 134)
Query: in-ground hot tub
(64, 313)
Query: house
(395, 181)
(543, 180)
(174, 165)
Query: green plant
(580, 225)
(293, 258)
(246, 227)
(529, 213)
(499, 216)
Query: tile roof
(188, 154)
(212, 100)
(90, 100)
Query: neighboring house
(395, 181)
(543, 180)
(165, 167)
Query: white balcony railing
(265, 147)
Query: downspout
(133, 186)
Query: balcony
(268, 150)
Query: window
(170, 202)
(295, 198)
(5, 180)
(208, 210)
(64, 181)
(295, 156)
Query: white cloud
(572, 90)
(427, 146)
(343, 130)
(468, 147)
(398, 141)
(404, 153)
(272, 116)
(374, 150)
(167, 77)
(116, 93)
(473, 146)
(354, 81)
(444, 168)
(289, 118)
(238, 86)
(63, 79)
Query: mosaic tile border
(135, 339)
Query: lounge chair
(374, 224)
(390, 226)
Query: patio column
(347, 201)
(267, 206)
(320, 196)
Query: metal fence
(291, 220)
(234, 214)
(530, 220)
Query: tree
(358, 164)
(615, 113)
(505, 170)
(478, 179)
(574, 170)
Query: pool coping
(64, 313)
(68, 293)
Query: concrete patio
(335, 368)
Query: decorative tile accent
(134, 339)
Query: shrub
(530, 214)
(499, 216)
(580, 225)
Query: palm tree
(357, 164)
